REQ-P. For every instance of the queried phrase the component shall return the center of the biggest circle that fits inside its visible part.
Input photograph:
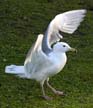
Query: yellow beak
(73, 49)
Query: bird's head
(63, 47)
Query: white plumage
(43, 61)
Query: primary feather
(66, 22)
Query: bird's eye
(64, 45)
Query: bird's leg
(53, 89)
(43, 92)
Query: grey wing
(35, 48)
(30, 51)
(66, 22)
(36, 58)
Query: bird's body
(56, 62)
(44, 61)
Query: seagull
(47, 57)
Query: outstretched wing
(66, 22)
(35, 48)
(35, 58)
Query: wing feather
(35, 58)
(66, 22)
(34, 49)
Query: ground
(20, 23)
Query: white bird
(44, 61)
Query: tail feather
(13, 69)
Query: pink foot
(59, 93)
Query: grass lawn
(20, 23)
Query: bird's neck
(59, 59)
(60, 55)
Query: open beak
(73, 49)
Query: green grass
(20, 23)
